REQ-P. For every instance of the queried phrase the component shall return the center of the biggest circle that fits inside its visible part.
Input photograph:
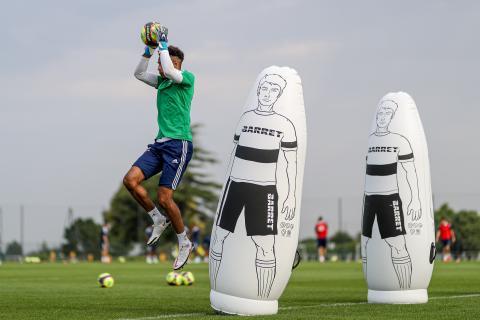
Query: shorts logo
(175, 161)
(396, 213)
(270, 210)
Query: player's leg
(265, 263)
(322, 250)
(446, 251)
(319, 249)
(401, 260)
(185, 246)
(229, 210)
(132, 182)
(176, 155)
(147, 165)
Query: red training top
(445, 231)
(321, 228)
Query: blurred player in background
(446, 236)
(151, 255)
(172, 149)
(105, 243)
(195, 230)
(321, 229)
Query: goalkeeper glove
(148, 52)
(163, 38)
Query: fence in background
(34, 224)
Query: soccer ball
(188, 278)
(174, 279)
(105, 280)
(171, 278)
(149, 34)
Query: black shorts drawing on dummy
(382, 197)
(261, 136)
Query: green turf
(328, 291)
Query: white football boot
(157, 232)
(184, 251)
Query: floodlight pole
(340, 222)
(1, 229)
(22, 220)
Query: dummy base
(398, 297)
(228, 304)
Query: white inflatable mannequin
(255, 234)
(398, 246)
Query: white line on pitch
(345, 304)
(473, 295)
(166, 316)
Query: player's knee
(129, 181)
(164, 200)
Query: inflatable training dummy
(398, 246)
(255, 235)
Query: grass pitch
(327, 291)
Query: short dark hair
(176, 52)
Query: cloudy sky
(73, 118)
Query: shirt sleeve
(188, 78)
(405, 154)
(238, 130)
(170, 72)
(289, 139)
(144, 76)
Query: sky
(73, 118)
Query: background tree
(344, 245)
(43, 252)
(83, 237)
(196, 197)
(14, 248)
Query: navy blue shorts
(445, 242)
(322, 242)
(169, 157)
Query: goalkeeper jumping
(172, 149)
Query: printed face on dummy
(384, 116)
(268, 94)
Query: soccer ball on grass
(188, 278)
(174, 279)
(105, 280)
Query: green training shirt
(173, 105)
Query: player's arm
(454, 238)
(170, 72)
(290, 202)
(414, 207)
(141, 71)
(167, 65)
